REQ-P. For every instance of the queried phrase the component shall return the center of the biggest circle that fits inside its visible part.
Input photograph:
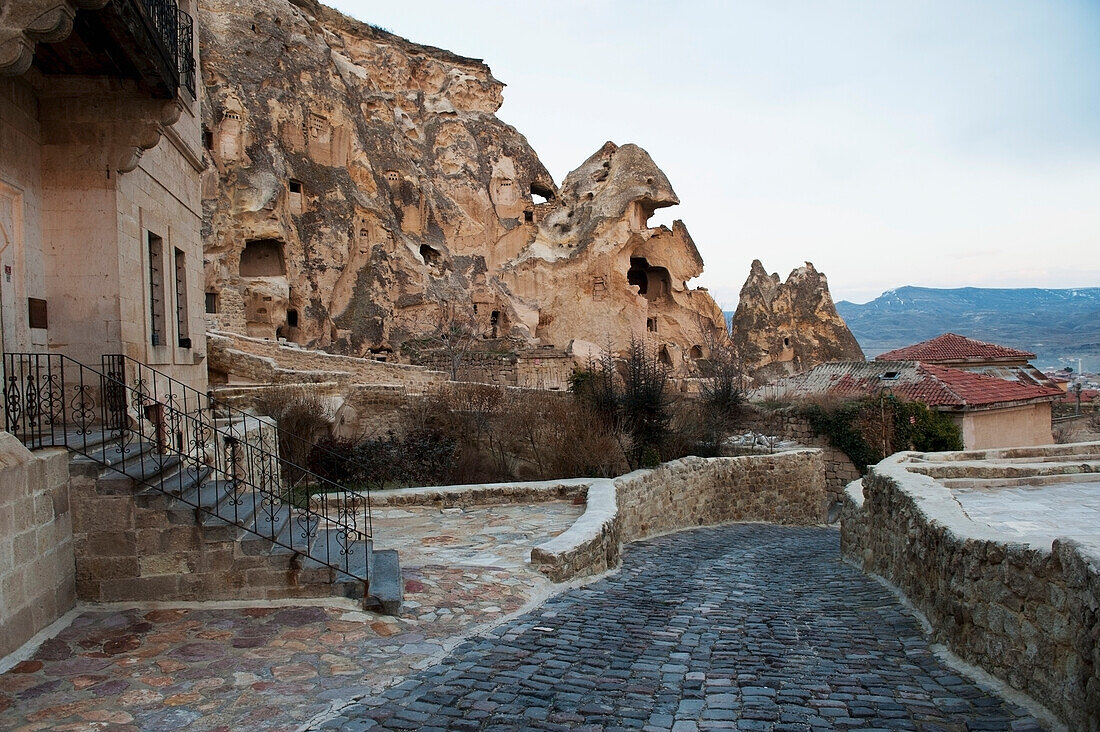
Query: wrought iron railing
(186, 52)
(172, 440)
(174, 30)
(161, 387)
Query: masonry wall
(20, 201)
(839, 469)
(133, 547)
(36, 541)
(786, 488)
(230, 353)
(1029, 616)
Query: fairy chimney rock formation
(371, 179)
(783, 328)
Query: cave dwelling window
(262, 258)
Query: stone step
(328, 549)
(385, 586)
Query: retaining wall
(785, 488)
(1029, 615)
(839, 469)
(36, 541)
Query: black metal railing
(174, 31)
(169, 437)
(295, 449)
(186, 52)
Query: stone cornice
(24, 23)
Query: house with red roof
(990, 411)
(960, 352)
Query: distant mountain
(1059, 326)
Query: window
(156, 290)
(262, 258)
(182, 331)
(651, 325)
(36, 313)
(211, 302)
(295, 186)
(292, 318)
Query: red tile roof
(954, 348)
(936, 386)
(1087, 396)
(979, 389)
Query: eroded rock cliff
(783, 328)
(362, 192)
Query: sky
(946, 143)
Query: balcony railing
(174, 31)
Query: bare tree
(455, 332)
(721, 389)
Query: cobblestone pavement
(205, 667)
(747, 627)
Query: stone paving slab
(1037, 514)
(210, 667)
(746, 627)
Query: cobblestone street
(748, 627)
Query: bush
(632, 399)
(300, 417)
(869, 429)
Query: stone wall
(36, 541)
(530, 369)
(1029, 615)
(839, 469)
(786, 488)
(231, 351)
(130, 546)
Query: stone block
(110, 544)
(160, 564)
(105, 568)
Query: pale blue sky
(943, 144)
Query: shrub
(633, 399)
(869, 429)
(300, 417)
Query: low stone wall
(1029, 615)
(303, 360)
(488, 494)
(839, 469)
(36, 541)
(787, 488)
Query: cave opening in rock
(636, 275)
(541, 193)
(695, 352)
(292, 318)
(651, 325)
(263, 258)
(430, 255)
(652, 282)
(664, 358)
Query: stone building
(100, 153)
(989, 411)
(101, 254)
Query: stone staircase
(181, 504)
(1005, 467)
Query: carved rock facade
(362, 188)
(783, 328)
